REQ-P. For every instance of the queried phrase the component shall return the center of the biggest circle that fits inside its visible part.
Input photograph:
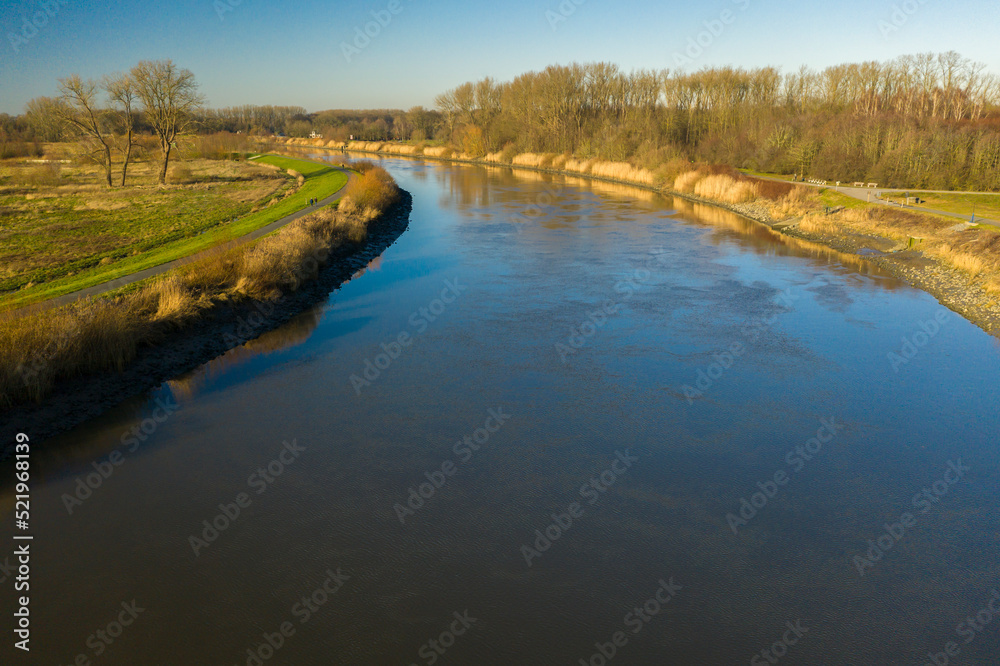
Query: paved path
(123, 281)
(874, 195)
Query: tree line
(923, 121)
(333, 125)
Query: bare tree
(78, 107)
(121, 91)
(169, 97)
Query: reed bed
(622, 171)
(438, 151)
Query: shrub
(180, 173)
(374, 189)
(44, 175)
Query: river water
(727, 441)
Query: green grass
(834, 199)
(986, 205)
(65, 244)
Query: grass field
(61, 231)
(986, 205)
(834, 199)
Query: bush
(373, 190)
(44, 175)
(180, 173)
(12, 149)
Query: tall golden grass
(400, 149)
(622, 171)
(723, 188)
(438, 151)
(537, 160)
(38, 349)
(579, 166)
(686, 181)
(975, 252)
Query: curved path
(874, 195)
(126, 280)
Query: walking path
(874, 195)
(126, 280)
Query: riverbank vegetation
(38, 349)
(62, 230)
(820, 213)
(923, 121)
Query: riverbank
(229, 325)
(71, 235)
(61, 367)
(927, 252)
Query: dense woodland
(923, 121)
(917, 121)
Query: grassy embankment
(62, 231)
(973, 252)
(984, 205)
(37, 350)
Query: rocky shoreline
(952, 288)
(221, 329)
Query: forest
(928, 121)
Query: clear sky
(291, 53)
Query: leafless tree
(78, 106)
(169, 97)
(121, 90)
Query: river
(559, 421)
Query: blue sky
(269, 52)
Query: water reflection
(296, 331)
(824, 355)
